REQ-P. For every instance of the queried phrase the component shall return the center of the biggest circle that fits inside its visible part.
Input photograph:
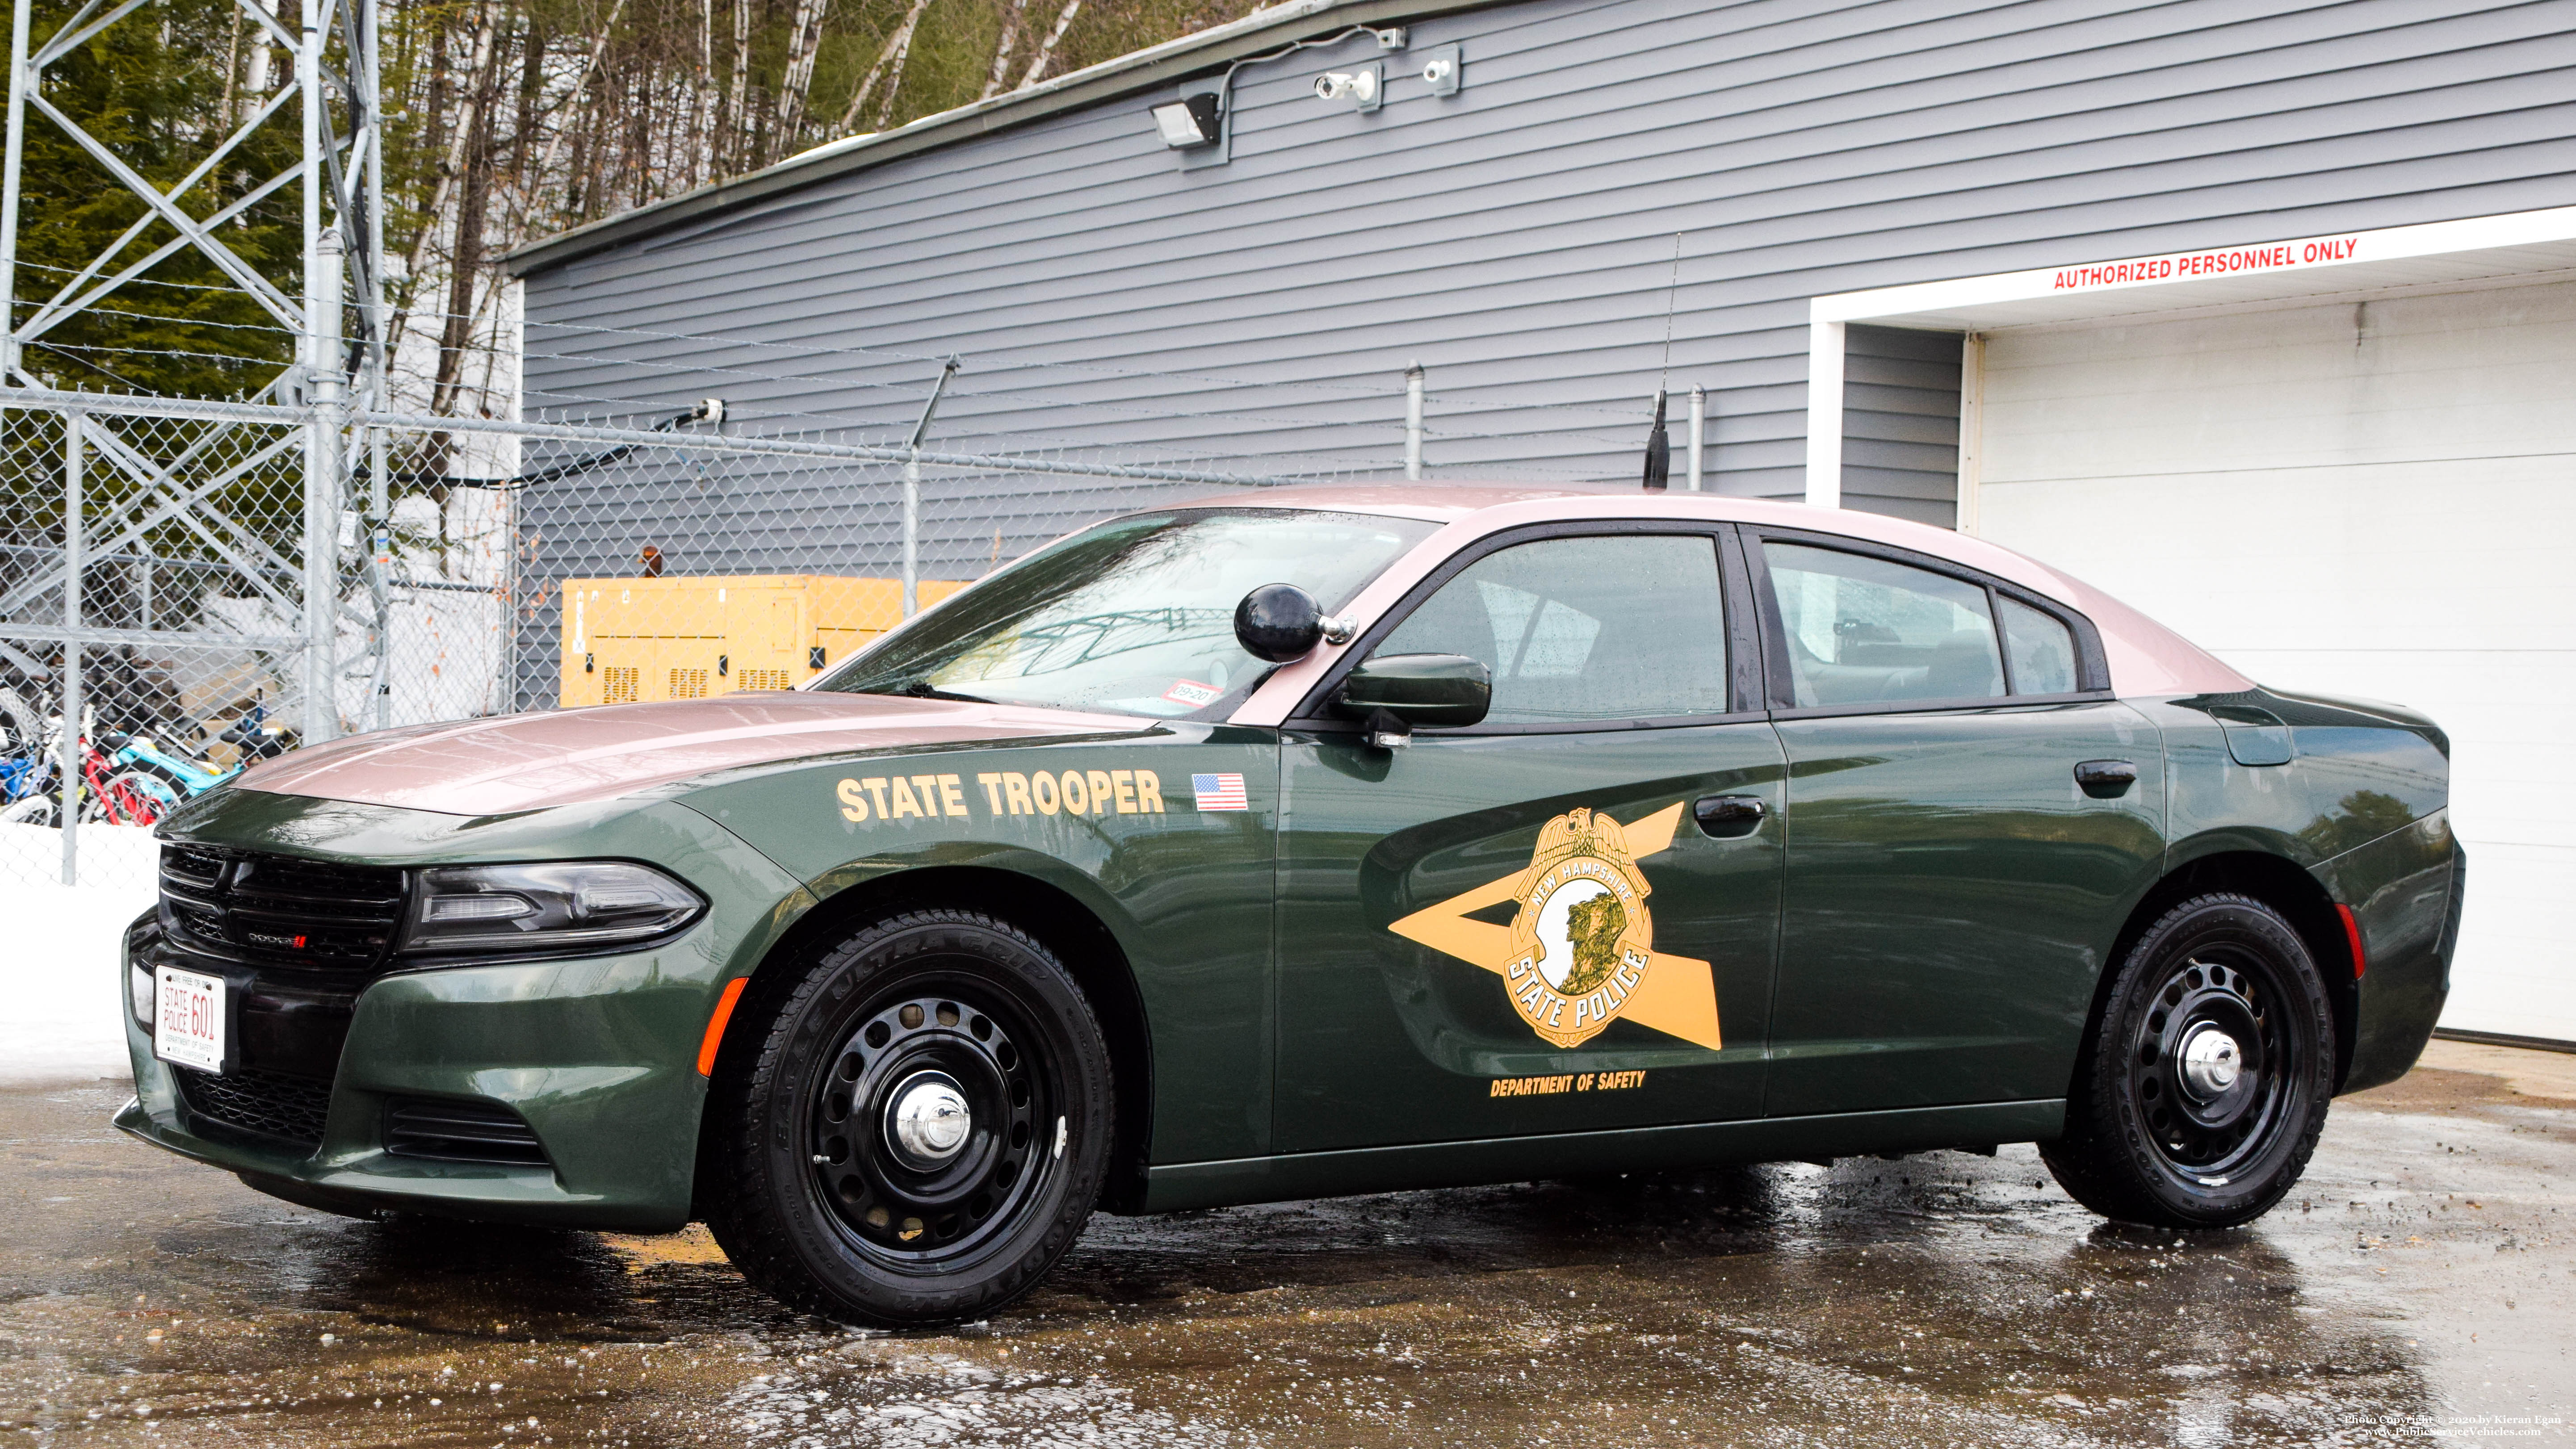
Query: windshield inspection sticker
(1192, 693)
(1219, 792)
(1579, 953)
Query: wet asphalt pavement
(2419, 1288)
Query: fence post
(70, 741)
(9, 166)
(322, 491)
(912, 492)
(1698, 432)
(912, 534)
(380, 562)
(1413, 422)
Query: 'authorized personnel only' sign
(2174, 266)
(1975, 303)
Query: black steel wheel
(911, 1130)
(2205, 1083)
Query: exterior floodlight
(1190, 122)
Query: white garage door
(2372, 499)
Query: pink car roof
(2146, 658)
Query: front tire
(912, 1129)
(2202, 1091)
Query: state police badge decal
(1580, 951)
(1582, 941)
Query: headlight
(141, 995)
(568, 905)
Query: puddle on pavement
(1943, 1299)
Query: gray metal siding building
(2260, 314)
(1517, 238)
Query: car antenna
(1659, 446)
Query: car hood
(528, 761)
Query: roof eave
(1131, 74)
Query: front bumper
(597, 1055)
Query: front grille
(277, 910)
(273, 1106)
(460, 1132)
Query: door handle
(2106, 779)
(1729, 817)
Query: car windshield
(1135, 616)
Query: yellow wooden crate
(633, 639)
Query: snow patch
(64, 1008)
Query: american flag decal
(1219, 792)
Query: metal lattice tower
(331, 88)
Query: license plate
(188, 1019)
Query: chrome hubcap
(928, 1120)
(2211, 1062)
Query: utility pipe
(1413, 422)
(1698, 433)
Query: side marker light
(716, 1025)
(2352, 934)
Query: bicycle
(126, 779)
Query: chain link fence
(157, 556)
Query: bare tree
(701, 159)
(737, 111)
(1046, 49)
(896, 48)
(1010, 41)
(802, 41)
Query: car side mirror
(1396, 692)
(1280, 622)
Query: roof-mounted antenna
(1659, 446)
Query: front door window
(1581, 630)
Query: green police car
(1315, 842)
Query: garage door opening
(2342, 464)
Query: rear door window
(2041, 649)
(1864, 630)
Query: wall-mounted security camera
(1363, 88)
(1440, 71)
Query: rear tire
(911, 1129)
(2203, 1088)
